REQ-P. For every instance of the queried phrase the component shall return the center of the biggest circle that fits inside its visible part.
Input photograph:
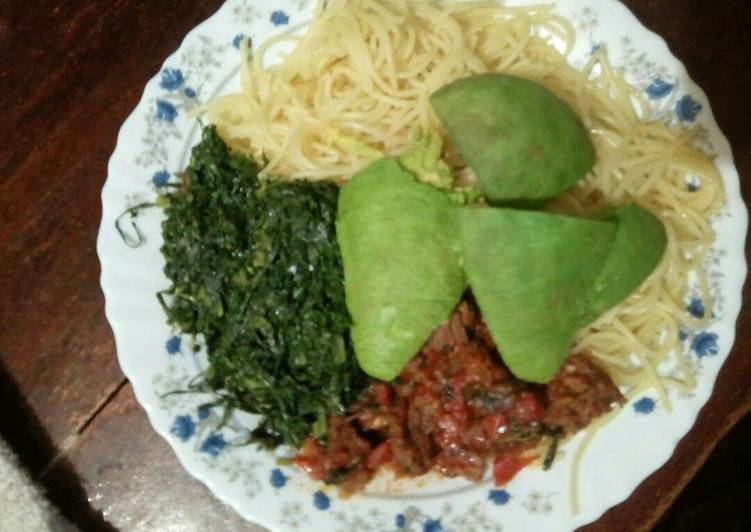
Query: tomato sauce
(453, 409)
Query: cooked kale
(255, 268)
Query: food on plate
(521, 141)
(255, 268)
(409, 251)
(356, 87)
(508, 258)
(539, 278)
(454, 408)
(399, 245)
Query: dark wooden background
(70, 72)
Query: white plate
(154, 143)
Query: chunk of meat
(447, 335)
(579, 392)
(343, 458)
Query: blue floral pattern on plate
(321, 500)
(173, 344)
(696, 308)
(160, 179)
(183, 427)
(279, 18)
(165, 111)
(277, 478)
(213, 445)
(645, 405)
(237, 40)
(687, 108)
(499, 497)
(705, 344)
(172, 79)
(659, 88)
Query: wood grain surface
(70, 73)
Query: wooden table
(71, 72)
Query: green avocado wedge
(639, 245)
(399, 244)
(531, 274)
(524, 144)
(538, 278)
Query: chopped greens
(255, 268)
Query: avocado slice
(531, 274)
(524, 143)
(399, 244)
(539, 277)
(637, 249)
